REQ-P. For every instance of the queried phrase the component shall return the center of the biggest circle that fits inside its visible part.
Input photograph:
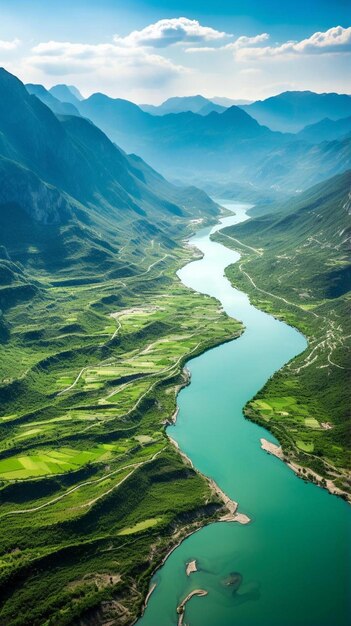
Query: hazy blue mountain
(292, 110)
(184, 144)
(326, 130)
(69, 196)
(226, 148)
(229, 102)
(58, 107)
(66, 93)
(195, 104)
(299, 165)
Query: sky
(149, 50)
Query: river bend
(289, 566)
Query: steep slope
(298, 165)
(326, 130)
(292, 110)
(66, 175)
(217, 143)
(58, 107)
(301, 272)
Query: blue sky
(148, 50)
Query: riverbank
(286, 272)
(213, 435)
(230, 506)
(301, 471)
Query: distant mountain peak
(184, 104)
(66, 93)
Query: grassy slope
(303, 256)
(94, 331)
(80, 443)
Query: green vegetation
(95, 329)
(300, 273)
(84, 459)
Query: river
(290, 565)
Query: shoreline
(277, 451)
(191, 567)
(319, 480)
(182, 605)
(231, 506)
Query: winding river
(290, 565)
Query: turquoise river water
(293, 559)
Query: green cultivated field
(92, 493)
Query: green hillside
(300, 271)
(95, 329)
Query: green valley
(295, 265)
(95, 331)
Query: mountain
(184, 144)
(299, 165)
(66, 93)
(69, 196)
(228, 146)
(296, 265)
(292, 110)
(224, 148)
(229, 102)
(58, 107)
(326, 130)
(195, 104)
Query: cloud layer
(131, 64)
(9, 45)
(336, 40)
(169, 32)
(156, 60)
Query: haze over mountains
(292, 110)
(230, 146)
(69, 197)
(195, 104)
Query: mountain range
(326, 130)
(69, 197)
(195, 104)
(292, 110)
(229, 146)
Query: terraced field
(92, 492)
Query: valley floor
(93, 494)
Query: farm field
(89, 380)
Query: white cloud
(244, 42)
(104, 60)
(9, 45)
(202, 49)
(250, 71)
(241, 42)
(168, 32)
(335, 40)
